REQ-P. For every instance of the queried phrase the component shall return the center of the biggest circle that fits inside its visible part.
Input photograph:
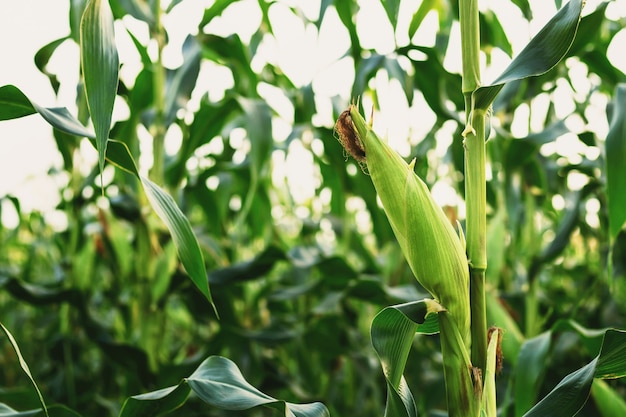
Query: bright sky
(27, 150)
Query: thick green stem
(462, 395)
(479, 318)
(475, 179)
(158, 127)
(476, 224)
(470, 44)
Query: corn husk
(430, 244)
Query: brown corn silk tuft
(348, 138)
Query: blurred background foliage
(298, 252)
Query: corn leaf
(392, 333)
(14, 104)
(615, 151)
(182, 234)
(542, 53)
(25, 367)
(570, 395)
(218, 382)
(100, 65)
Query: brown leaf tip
(347, 136)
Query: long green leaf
(184, 238)
(615, 146)
(218, 382)
(571, 394)
(542, 53)
(100, 65)
(14, 104)
(392, 333)
(25, 367)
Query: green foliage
(116, 304)
(100, 65)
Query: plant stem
(475, 179)
(470, 44)
(476, 224)
(158, 127)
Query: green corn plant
(437, 256)
(295, 319)
(432, 248)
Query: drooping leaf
(25, 367)
(182, 234)
(100, 64)
(570, 395)
(42, 57)
(542, 53)
(392, 333)
(218, 382)
(615, 151)
(62, 119)
(118, 153)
